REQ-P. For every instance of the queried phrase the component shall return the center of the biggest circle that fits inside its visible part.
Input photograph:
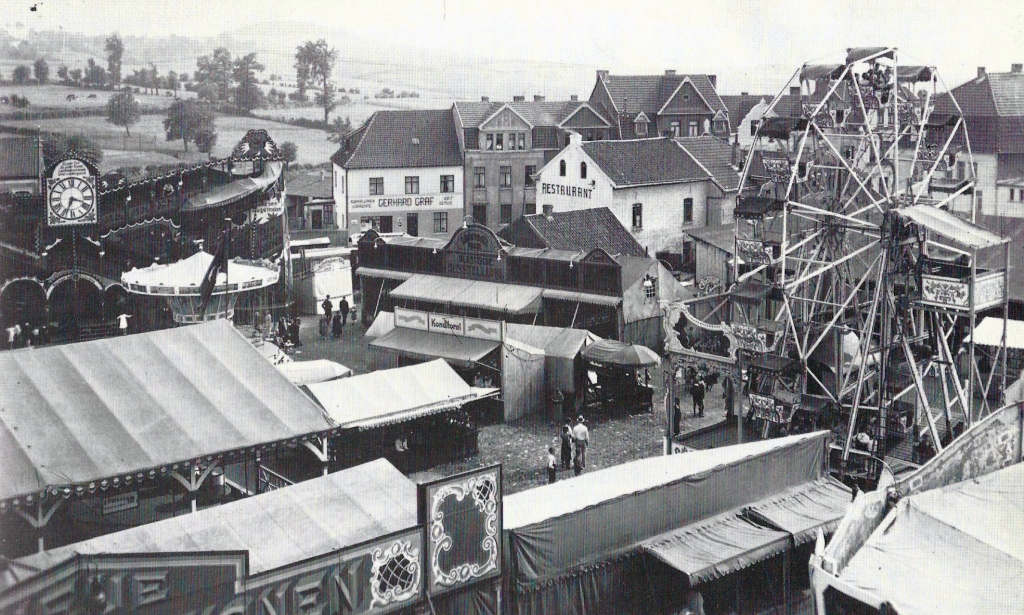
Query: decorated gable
(506, 119)
(686, 99)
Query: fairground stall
(364, 541)
(414, 416)
(319, 273)
(729, 527)
(619, 377)
(61, 270)
(942, 540)
(104, 435)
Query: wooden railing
(269, 480)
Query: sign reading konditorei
(442, 323)
(562, 190)
(462, 326)
(412, 201)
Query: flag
(218, 264)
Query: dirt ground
(521, 446)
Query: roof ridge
(366, 132)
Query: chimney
(1016, 69)
(714, 81)
(549, 211)
(575, 138)
(519, 99)
(485, 99)
(538, 98)
(574, 97)
(602, 74)
(734, 158)
(669, 72)
(744, 93)
(794, 90)
(981, 72)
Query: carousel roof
(185, 276)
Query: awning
(82, 413)
(749, 291)
(952, 227)
(384, 322)
(411, 392)
(770, 363)
(802, 511)
(856, 54)
(428, 345)
(613, 352)
(388, 274)
(228, 193)
(949, 185)
(510, 298)
(913, 74)
(568, 295)
(310, 372)
(813, 72)
(717, 546)
(990, 333)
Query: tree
(154, 78)
(289, 151)
(191, 120)
(115, 51)
(76, 74)
(314, 63)
(123, 110)
(42, 71)
(248, 95)
(215, 71)
(338, 130)
(96, 76)
(172, 82)
(62, 72)
(21, 74)
(55, 144)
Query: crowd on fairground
(334, 326)
(574, 440)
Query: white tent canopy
(312, 372)
(185, 276)
(990, 333)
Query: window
(479, 177)
(638, 216)
(531, 170)
(522, 140)
(529, 209)
(561, 168)
(719, 126)
(583, 170)
(412, 184)
(981, 201)
(490, 142)
(499, 141)
(376, 186)
(641, 128)
(447, 183)
(650, 288)
(753, 127)
(506, 177)
(1011, 194)
(567, 140)
(506, 213)
(440, 221)
(328, 215)
(687, 210)
(480, 214)
(691, 129)
(673, 129)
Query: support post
(39, 520)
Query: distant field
(358, 111)
(148, 135)
(55, 97)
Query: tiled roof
(19, 157)
(739, 105)
(403, 138)
(644, 161)
(648, 93)
(537, 113)
(994, 258)
(579, 230)
(722, 237)
(311, 185)
(715, 155)
(993, 107)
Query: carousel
(180, 283)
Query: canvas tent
(561, 348)
(573, 546)
(310, 372)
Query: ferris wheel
(855, 237)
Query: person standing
(581, 435)
(328, 308)
(677, 417)
(11, 336)
(336, 327)
(697, 392)
(577, 465)
(566, 446)
(552, 465)
(122, 323)
(343, 308)
(325, 327)
(293, 331)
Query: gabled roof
(19, 158)
(403, 138)
(678, 88)
(739, 105)
(715, 156)
(579, 230)
(642, 162)
(649, 93)
(311, 185)
(535, 112)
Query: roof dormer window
(640, 125)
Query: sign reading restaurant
(418, 201)
(562, 190)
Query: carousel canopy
(77, 414)
(241, 188)
(185, 276)
(612, 352)
(394, 395)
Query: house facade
(673, 105)
(401, 172)
(505, 144)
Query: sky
(751, 44)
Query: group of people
(335, 325)
(574, 441)
(23, 335)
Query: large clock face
(72, 198)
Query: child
(577, 463)
(552, 465)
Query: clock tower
(71, 193)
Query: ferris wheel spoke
(833, 214)
(842, 159)
(842, 307)
(871, 139)
(832, 265)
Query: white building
(657, 188)
(401, 172)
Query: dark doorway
(386, 224)
(413, 221)
(318, 219)
(480, 214)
